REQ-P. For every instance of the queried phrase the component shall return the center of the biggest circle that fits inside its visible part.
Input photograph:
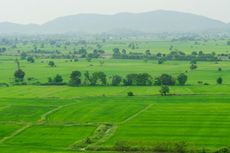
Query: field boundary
(43, 117)
(18, 131)
(136, 114)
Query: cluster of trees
(134, 79)
(173, 55)
(2, 49)
(82, 52)
(228, 43)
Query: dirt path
(28, 125)
(18, 131)
(44, 116)
(136, 114)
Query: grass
(6, 129)
(58, 94)
(45, 119)
(51, 136)
(23, 113)
(110, 110)
(202, 122)
(206, 72)
(142, 121)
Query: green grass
(200, 121)
(6, 129)
(51, 136)
(206, 72)
(23, 113)
(60, 116)
(58, 94)
(97, 110)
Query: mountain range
(160, 21)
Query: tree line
(161, 57)
(101, 79)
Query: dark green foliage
(96, 78)
(19, 75)
(219, 80)
(161, 61)
(75, 78)
(23, 55)
(193, 61)
(228, 43)
(219, 69)
(141, 79)
(51, 64)
(165, 79)
(193, 67)
(116, 53)
(130, 94)
(223, 150)
(57, 80)
(181, 147)
(116, 80)
(164, 90)
(182, 78)
(30, 59)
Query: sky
(41, 11)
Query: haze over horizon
(39, 12)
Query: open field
(200, 120)
(44, 118)
(206, 71)
(208, 46)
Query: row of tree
(173, 55)
(134, 79)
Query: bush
(223, 150)
(121, 146)
(130, 94)
(181, 147)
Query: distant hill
(149, 22)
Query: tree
(51, 64)
(102, 77)
(57, 80)
(219, 80)
(30, 59)
(160, 61)
(130, 79)
(75, 78)
(193, 61)
(19, 75)
(116, 80)
(193, 67)
(182, 78)
(130, 94)
(94, 78)
(165, 79)
(228, 43)
(144, 79)
(164, 90)
(219, 69)
(23, 55)
(116, 53)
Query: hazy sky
(40, 11)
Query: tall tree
(182, 78)
(75, 78)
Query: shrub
(121, 146)
(130, 94)
(223, 150)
